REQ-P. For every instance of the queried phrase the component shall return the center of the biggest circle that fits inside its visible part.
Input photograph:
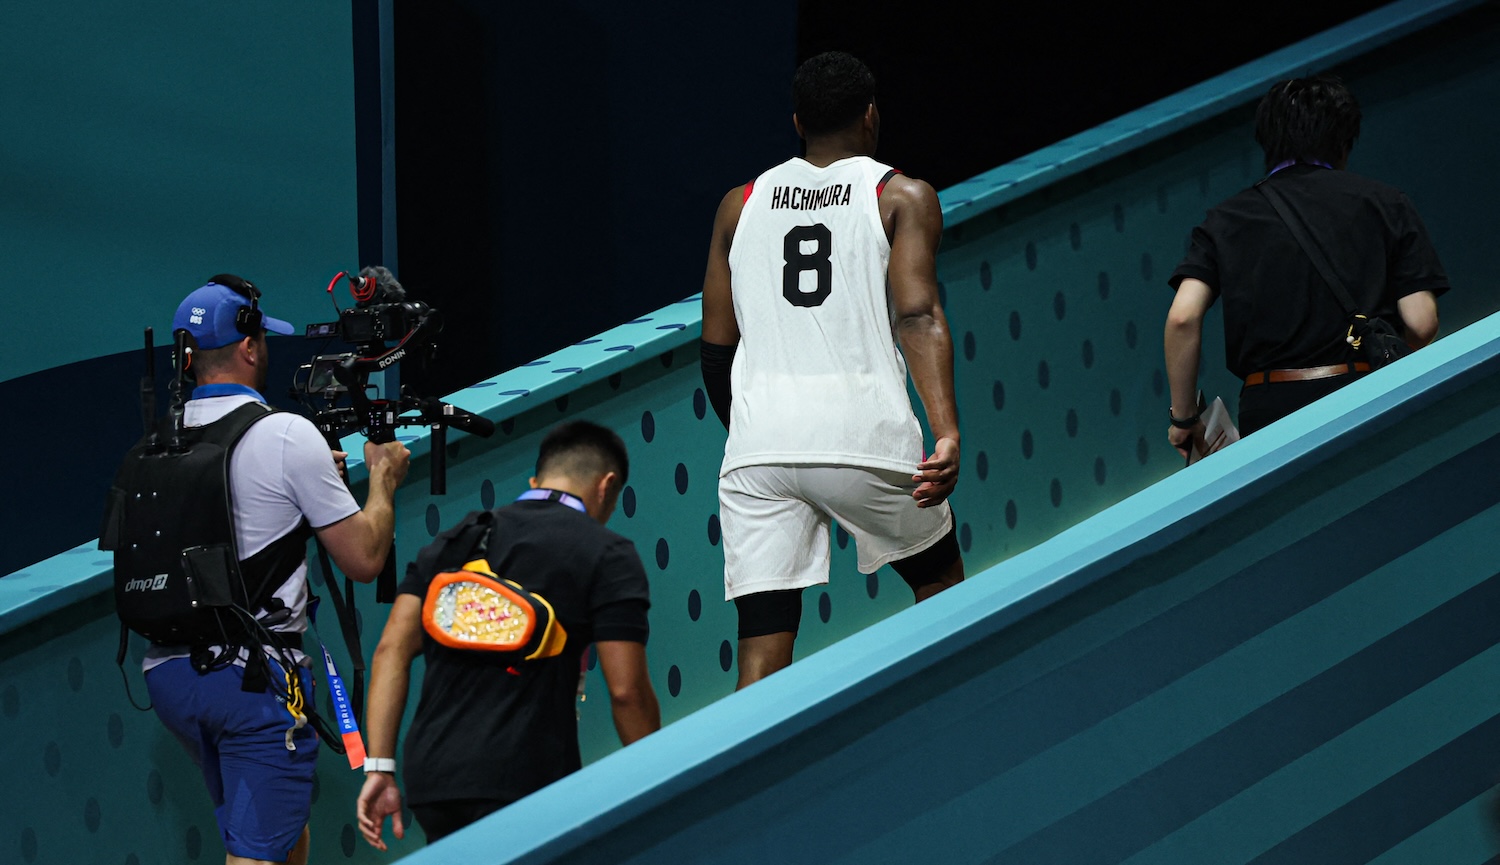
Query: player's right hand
(380, 798)
(937, 475)
(391, 458)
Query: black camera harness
(178, 577)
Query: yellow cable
(294, 702)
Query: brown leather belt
(1313, 372)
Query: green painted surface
(148, 147)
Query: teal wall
(147, 147)
(1285, 654)
(1057, 298)
(1056, 294)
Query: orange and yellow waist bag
(473, 608)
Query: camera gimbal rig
(381, 313)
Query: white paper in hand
(1218, 431)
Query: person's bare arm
(914, 221)
(360, 542)
(1419, 313)
(390, 680)
(719, 326)
(1182, 341)
(631, 697)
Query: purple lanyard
(1290, 162)
(568, 499)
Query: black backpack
(169, 521)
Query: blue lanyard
(343, 712)
(568, 499)
(343, 707)
(205, 391)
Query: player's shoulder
(727, 217)
(734, 199)
(905, 188)
(911, 201)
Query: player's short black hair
(1307, 118)
(582, 449)
(831, 91)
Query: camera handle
(439, 458)
(381, 417)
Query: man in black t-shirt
(1285, 331)
(490, 727)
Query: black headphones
(248, 319)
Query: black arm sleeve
(717, 361)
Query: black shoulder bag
(1375, 338)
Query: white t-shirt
(279, 472)
(818, 378)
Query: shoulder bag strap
(1319, 261)
(471, 543)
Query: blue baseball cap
(210, 314)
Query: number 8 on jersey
(798, 262)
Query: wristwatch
(1181, 422)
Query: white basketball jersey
(818, 378)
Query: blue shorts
(262, 792)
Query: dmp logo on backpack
(147, 584)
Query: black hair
(1308, 119)
(582, 449)
(830, 92)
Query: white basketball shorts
(776, 518)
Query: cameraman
(491, 729)
(284, 486)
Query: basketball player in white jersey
(817, 270)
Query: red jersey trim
(880, 187)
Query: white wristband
(380, 764)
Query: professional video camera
(381, 315)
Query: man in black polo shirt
(491, 728)
(1285, 331)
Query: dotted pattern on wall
(1057, 318)
(1056, 308)
(669, 509)
(103, 782)
(1056, 324)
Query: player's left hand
(937, 475)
